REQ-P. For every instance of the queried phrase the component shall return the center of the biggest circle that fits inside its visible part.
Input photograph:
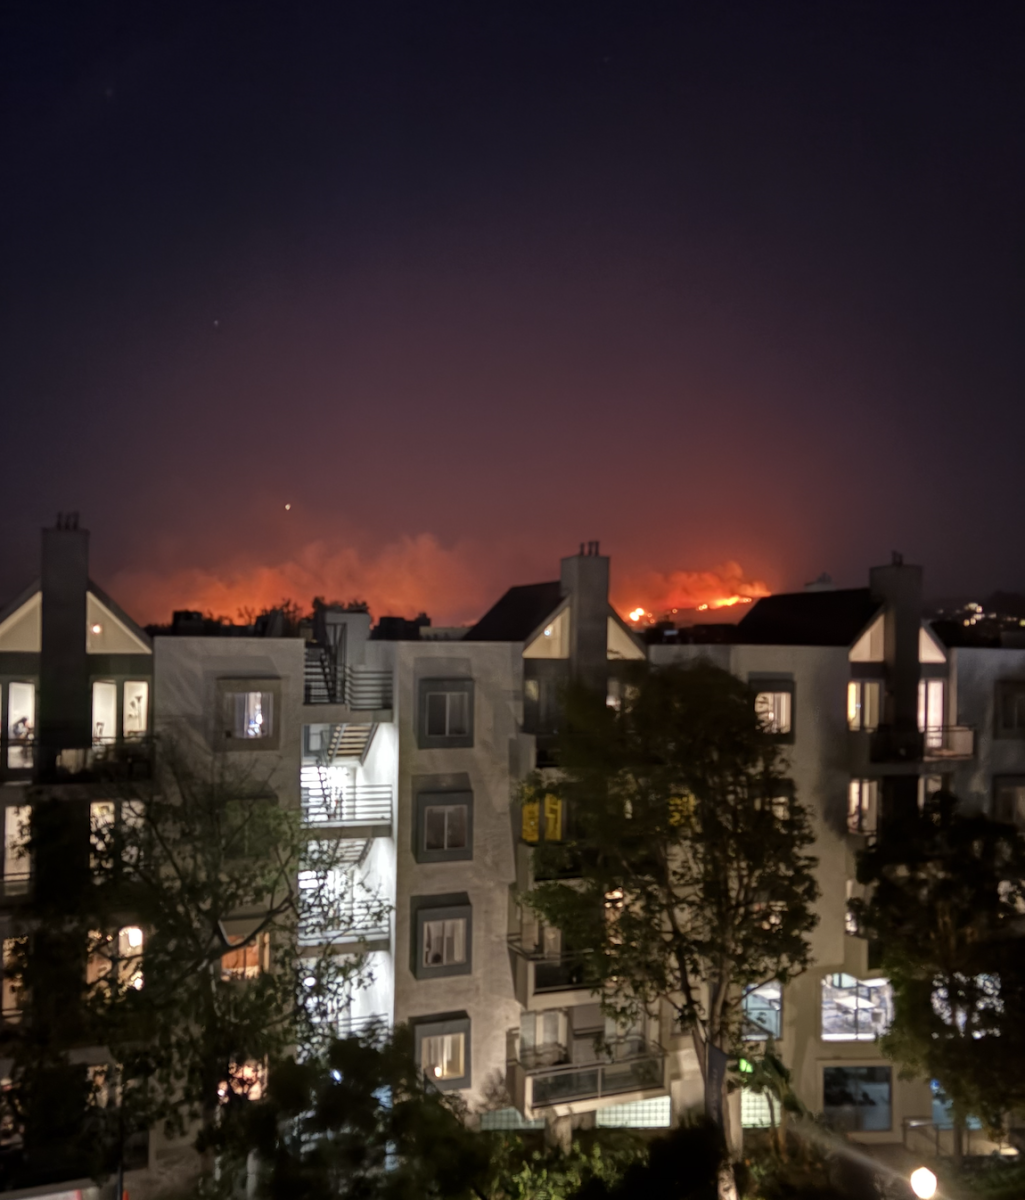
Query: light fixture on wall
(96, 629)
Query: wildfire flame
(724, 586)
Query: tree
(945, 902)
(361, 1121)
(198, 925)
(684, 862)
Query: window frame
(225, 739)
(438, 1026)
(1001, 782)
(772, 685)
(448, 686)
(1000, 730)
(752, 1032)
(441, 798)
(450, 907)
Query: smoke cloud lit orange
(723, 587)
(453, 584)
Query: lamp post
(923, 1183)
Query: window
(763, 1011)
(542, 818)
(1009, 799)
(250, 713)
(442, 929)
(135, 719)
(104, 712)
(21, 724)
(17, 860)
(857, 1098)
(444, 943)
(863, 806)
(774, 704)
(863, 703)
(444, 826)
(249, 960)
(122, 951)
(755, 1112)
(855, 1010)
(442, 1049)
(446, 713)
(247, 1080)
(931, 711)
(13, 993)
(928, 785)
(107, 837)
(1010, 709)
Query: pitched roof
(519, 612)
(808, 618)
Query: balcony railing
(634, 1066)
(548, 972)
(949, 741)
(355, 804)
(341, 921)
(16, 883)
(327, 682)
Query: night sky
(467, 284)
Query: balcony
(949, 742)
(359, 688)
(364, 806)
(538, 974)
(631, 1068)
(356, 924)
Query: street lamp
(923, 1183)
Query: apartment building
(406, 745)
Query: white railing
(346, 804)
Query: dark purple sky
(466, 284)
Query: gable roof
(519, 612)
(808, 618)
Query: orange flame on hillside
(681, 592)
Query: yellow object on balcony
(553, 819)
(531, 825)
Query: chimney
(65, 703)
(584, 577)
(899, 588)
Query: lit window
(855, 1010)
(129, 957)
(863, 702)
(531, 827)
(102, 817)
(447, 714)
(442, 1057)
(444, 943)
(136, 708)
(13, 993)
(445, 827)
(247, 1080)
(857, 1098)
(251, 714)
(21, 724)
(248, 960)
(930, 711)
(863, 805)
(763, 1011)
(755, 1112)
(774, 711)
(104, 712)
(17, 860)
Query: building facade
(406, 746)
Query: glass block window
(641, 1114)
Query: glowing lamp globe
(923, 1183)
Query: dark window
(444, 826)
(857, 1098)
(446, 713)
(441, 936)
(442, 1049)
(1010, 706)
(1009, 799)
